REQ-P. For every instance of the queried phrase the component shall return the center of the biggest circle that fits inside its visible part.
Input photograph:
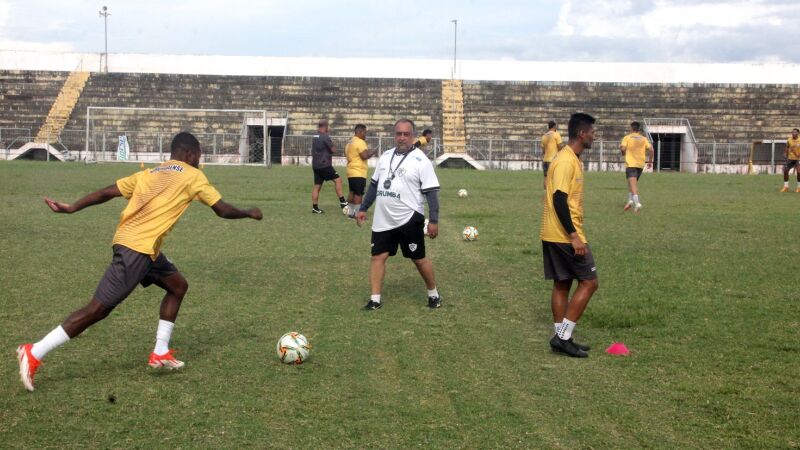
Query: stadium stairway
(62, 108)
(454, 136)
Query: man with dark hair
(551, 144)
(423, 141)
(403, 176)
(357, 154)
(322, 149)
(565, 251)
(792, 154)
(635, 146)
(156, 200)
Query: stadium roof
(556, 71)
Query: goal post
(227, 136)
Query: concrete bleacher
(26, 97)
(727, 113)
(345, 102)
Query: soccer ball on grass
(470, 233)
(462, 193)
(293, 348)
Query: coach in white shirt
(403, 176)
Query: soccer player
(634, 146)
(322, 149)
(792, 154)
(565, 251)
(357, 155)
(403, 176)
(551, 144)
(156, 200)
(423, 141)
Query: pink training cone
(618, 348)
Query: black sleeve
(562, 211)
(433, 205)
(369, 198)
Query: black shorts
(325, 174)
(633, 172)
(545, 166)
(561, 263)
(410, 237)
(790, 164)
(127, 269)
(357, 185)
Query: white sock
(355, 209)
(556, 326)
(375, 298)
(636, 198)
(163, 334)
(433, 292)
(630, 197)
(565, 330)
(54, 339)
(786, 184)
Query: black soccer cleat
(567, 347)
(316, 210)
(434, 302)
(583, 347)
(372, 306)
(343, 204)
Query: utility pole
(455, 45)
(104, 14)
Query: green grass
(700, 285)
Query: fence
(233, 148)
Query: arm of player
(228, 211)
(366, 202)
(367, 154)
(432, 197)
(652, 153)
(562, 211)
(95, 198)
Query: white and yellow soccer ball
(470, 233)
(293, 348)
(462, 193)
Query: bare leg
(559, 299)
(377, 268)
(338, 185)
(176, 287)
(315, 194)
(85, 317)
(425, 268)
(580, 299)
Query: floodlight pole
(104, 14)
(455, 44)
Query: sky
(685, 31)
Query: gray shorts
(127, 269)
(790, 164)
(633, 172)
(561, 263)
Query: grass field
(700, 285)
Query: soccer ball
(462, 193)
(293, 348)
(470, 233)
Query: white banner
(123, 150)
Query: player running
(634, 146)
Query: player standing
(357, 155)
(551, 144)
(423, 141)
(156, 200)
(322, 149)
(565, 251)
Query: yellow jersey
(422, 142)
(550, 142)
(793, 148)
(565, 175)
(636, 147)
(157, 198)
(356, 167)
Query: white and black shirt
(413, 176)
